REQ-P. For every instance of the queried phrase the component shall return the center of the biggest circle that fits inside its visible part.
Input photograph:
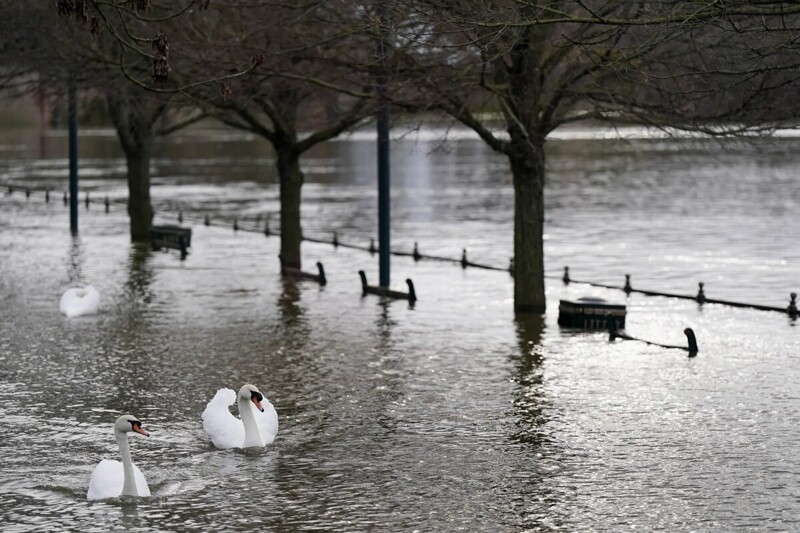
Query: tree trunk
(291, 179)
(134, 119)
(140, 210)
(527, 167)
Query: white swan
(80, 301)
(112, 478)
(257, 427)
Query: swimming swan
(257, 427)
(80, 301)
(112, 478)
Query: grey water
(449, 415)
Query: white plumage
(255, 428)
(108, 478)
(111, 479)
(80, 301)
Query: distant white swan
(112, 478)
(257, 427)
(80, 301)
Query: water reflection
(389, 363)
(140, 274)
(529, 377)
(75, 261)
(384, 323)
(294, 358)
(289, 308)
(130, 518)
(123, 353)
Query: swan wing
(91, 301)
(108, 478)
(226, 431)
(69, 302)
(106, 481)
(267, 421)
(80, 301)
(141, 483)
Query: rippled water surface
(448, 415)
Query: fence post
(701, 296)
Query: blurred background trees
(51, 46)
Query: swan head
(250, 393)
(128, 424)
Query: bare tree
(299, 87)
(530, 67)
(139, 118)
(535, 66)
(269, 67)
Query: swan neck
(252, 437)
(129, 482)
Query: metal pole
(384, 204)
(73, 158)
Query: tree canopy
(299, 72)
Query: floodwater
(451, 415)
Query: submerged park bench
(170, 236)
(590, 313)
(596, 313)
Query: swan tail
(225, 430)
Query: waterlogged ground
(448, 415)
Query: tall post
(384, 204)
(72, 119)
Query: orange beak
(139, 429)
(257, 404)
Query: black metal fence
(261, 224)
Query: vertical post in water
(384, 204)
(72, 119)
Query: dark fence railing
(261, 224)
(700, 297)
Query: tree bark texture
(140, 210)
(291, 183)
(527, 168)
(134, 120)
(521, 72)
